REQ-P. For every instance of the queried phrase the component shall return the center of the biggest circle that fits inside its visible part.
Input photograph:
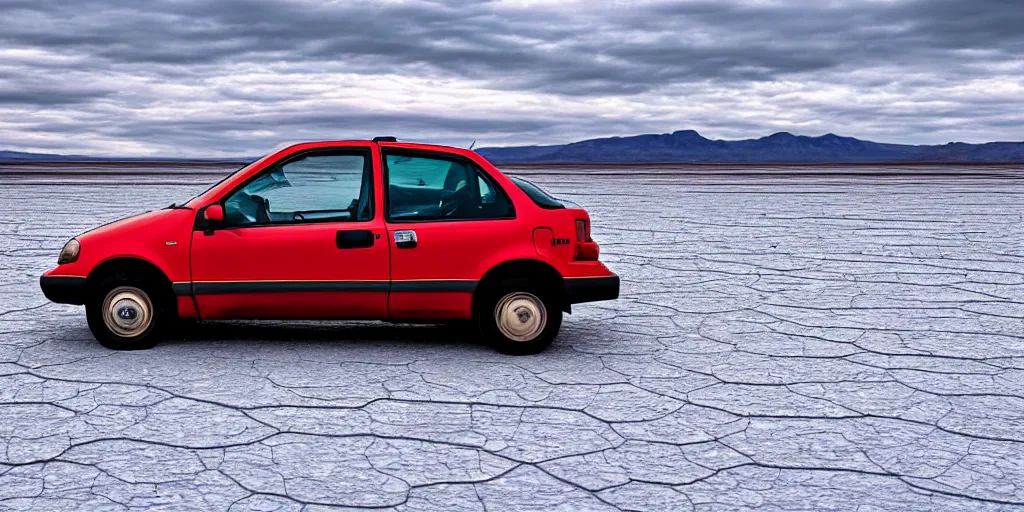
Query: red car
(343, 230)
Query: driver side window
(423, 188)
(315, 187)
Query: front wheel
(124, 314)
(519, 318)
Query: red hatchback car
(343, 230)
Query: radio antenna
(471, 145)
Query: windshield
(277, 148)
(178, 204)
(541, 198)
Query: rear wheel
(519, 317)
(126, 313)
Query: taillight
(586, 248)
(587, 251)
(582, 230)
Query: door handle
(405, 239)
(354, 239)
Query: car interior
(419, 189)
(309, 200)
(464, 193)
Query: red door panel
(437, 277)
(290, 271)
(463, 224)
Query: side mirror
(214, 213)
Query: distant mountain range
(689, 146)
(8, 156)
(18, 156)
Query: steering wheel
(298, 216)
(449, 204)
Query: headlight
(70, 252)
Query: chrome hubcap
(127, 311)
(520, 316)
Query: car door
(448, 223)
(301, 239)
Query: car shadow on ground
(325, 332)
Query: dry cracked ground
(819, 343)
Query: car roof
(388, 144)
(422, 146)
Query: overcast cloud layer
(236, 77)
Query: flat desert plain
(847, 338)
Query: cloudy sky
(237, 77)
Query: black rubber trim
(591, 289)
(64, 289)
(288, 286)
(212, 288)
(440, 285)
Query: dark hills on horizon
(21, 156)
(688, 146)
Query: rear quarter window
(539, 197)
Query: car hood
(128, 224)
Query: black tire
(521, 295)
(152, 312)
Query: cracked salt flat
(781, 343)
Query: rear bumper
(63, 289)
(591, 289)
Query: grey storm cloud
(153, 76)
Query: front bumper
(63, 289)
(591, 289)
